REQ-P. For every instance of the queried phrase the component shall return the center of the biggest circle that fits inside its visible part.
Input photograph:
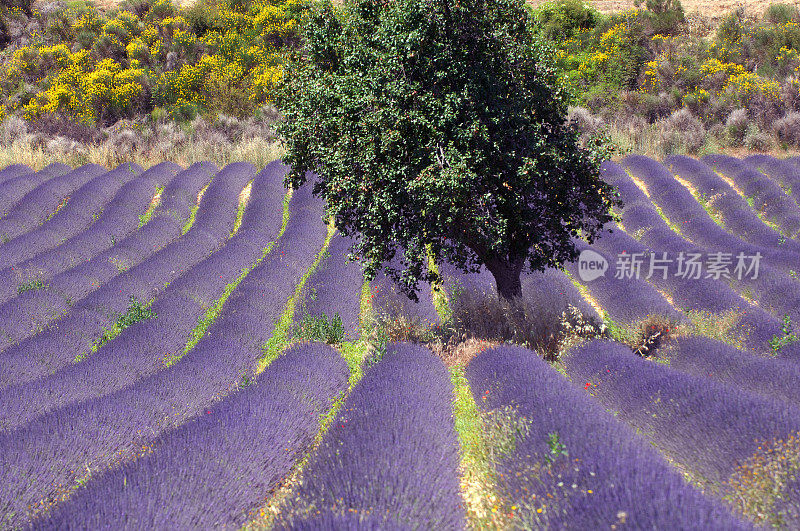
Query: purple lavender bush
(76, 215)
(576, 466)
(141, 350)
(707, 427)
(214, 470)
(626, 300)
(118, 219)
(735, 213)
(391, 452)
(16, 188)
(786, 174)
(13, 171)
(707, 358)
(768, 198)
(37, 206)
(680, 206)
(334, 289)
(102, 432)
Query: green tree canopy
(438, 126)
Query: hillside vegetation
(706, 8)
(150, 80)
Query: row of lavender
(113, 222)
(250, 237)
(701, 434)
(774, 290)
(216, 469)
(390, 458)
(88, 435)
(98, 291)
(336, 255)
(281, 423)
(141, 350)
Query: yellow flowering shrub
(741, 89)
(125, 63)
(89, 92)
(605, 60)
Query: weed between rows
(193, 210)
(136, 312)
(215, 309)
(355, 354)
(281, 337)
(58, 208)
(151, 208)
(31, 285)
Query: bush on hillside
(682, 132)
(736, 125)
(787, 129)
(566, 19)
(146, 54)
(782, 13)
(665, 16)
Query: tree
(437, 128)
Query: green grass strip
(478, 481)
(354, 353)
(193, 211)
(244, 198)
(144, 218)
(281, 337)
(110, 333)
(215, 309)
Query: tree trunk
(507, 277)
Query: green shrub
(565, 19)
(665, 16)
(136, 312)
(31, 286)
(788, 337)
(782, 13)
(732, 28)
(321, 328)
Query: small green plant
(246, 380)
(136, 312)
(31, 285)
(557, 448)
(778, 342)
(321, 328)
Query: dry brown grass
(708, 8)
(108, 5)
(460, 353)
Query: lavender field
(188, 348)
